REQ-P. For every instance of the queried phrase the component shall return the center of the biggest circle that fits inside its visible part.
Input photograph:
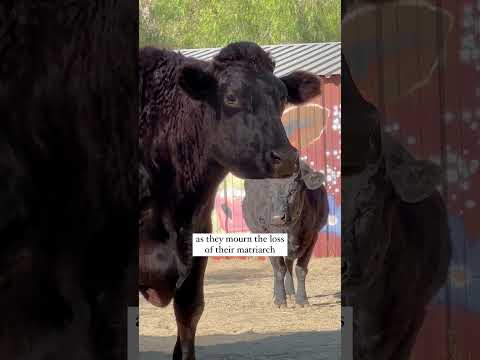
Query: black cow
(395, 236)
(198, 121)
(68, 205)
(297, 206)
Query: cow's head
(288, 195)
(283, 198)
(247, 100)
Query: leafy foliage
(213, 23)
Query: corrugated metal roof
(319, 58)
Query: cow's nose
(284, 162)
(279, 219)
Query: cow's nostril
(276, 157)
(279, 219)
(284, 161)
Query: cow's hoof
(280, 304)
(303, 303)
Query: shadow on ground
(322, 345)
(235, 277)
(337, 295)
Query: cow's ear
(197, 82)
(301, 86)
(312, 179)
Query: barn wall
(437, 113)
(314, 129)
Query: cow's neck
(194, 175)
(193, 205)
(194, 209)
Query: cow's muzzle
(284, 162)
(279, 220)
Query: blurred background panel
(419, 63)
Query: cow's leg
(301, 295)
(301, 270)
(279, 270)
(289, 286)
(188, 306)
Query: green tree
(213, 23)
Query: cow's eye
(231, 99)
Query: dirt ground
(240, 321)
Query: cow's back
(161, 98)
(159, 95)
(168, 118)
(157, 72)
(313, 217)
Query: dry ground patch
(240, 321)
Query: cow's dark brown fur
(198, 121)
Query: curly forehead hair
(245, 53)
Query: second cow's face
(287, 199)
(248, 138)
(278, 203)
